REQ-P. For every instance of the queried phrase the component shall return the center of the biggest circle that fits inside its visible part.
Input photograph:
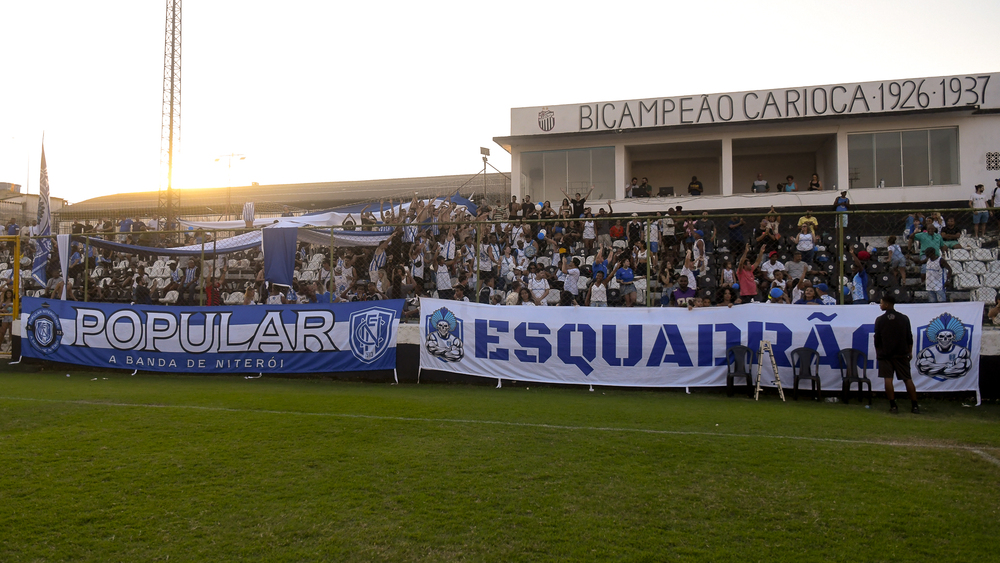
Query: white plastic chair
(170, 298)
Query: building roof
(271, 198)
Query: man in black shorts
(894, 351)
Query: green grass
(156, 467)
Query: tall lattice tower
(170, 126)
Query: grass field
(188, 468)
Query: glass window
(888, 160)
(555, 176)
(545, 174)
(944, 156)
(916, 165)
(904, 158)
(861, 160)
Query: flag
(43, 245)
(248, 213)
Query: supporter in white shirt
(571, 283)
(539, 287)
(771, 265)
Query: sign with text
(675, 347)
(888, 96)
(310, 338)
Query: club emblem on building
(546, 119)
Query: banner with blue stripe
(311, 338)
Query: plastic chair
(849, 373)
(805, 365)
(741, 365)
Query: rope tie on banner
(499, 383)
(395, 376)
(258, 376)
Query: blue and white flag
(43, 245)
(314, 338)
(248, 212)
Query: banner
(311, 338)
(675, 347)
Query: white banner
(675, 347)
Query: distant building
(895, 141)
(269, 200)
(7, 187)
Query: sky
(320, 91)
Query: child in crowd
(897, 261)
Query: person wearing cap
(707, 228)
(894, 351)
(980, 210)
(842, 204)
(822, 291)
(859, 280)
(771, 265)
(993, 198)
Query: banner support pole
(840, 257)
(86, 269)
(201, 274)
(329, 280)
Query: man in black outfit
(894, 351)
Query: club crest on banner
(44, 330)
(546, 119)
(445, 335)
(371, 330)
(944, 348)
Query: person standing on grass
(894, 351)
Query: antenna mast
(170, 127)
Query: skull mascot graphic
(945, 358)
(443, 336)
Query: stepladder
(765, 346)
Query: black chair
(885, 281)
(849, 360)
(614, 297)
(875, 294)
(902, 294)
(805, 365)
(739, 361)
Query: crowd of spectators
(531, 254)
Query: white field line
(985, 456)
(974, 449)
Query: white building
(923, 139)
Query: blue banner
(311, 338)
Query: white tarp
(675, 347)
(330, 219)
